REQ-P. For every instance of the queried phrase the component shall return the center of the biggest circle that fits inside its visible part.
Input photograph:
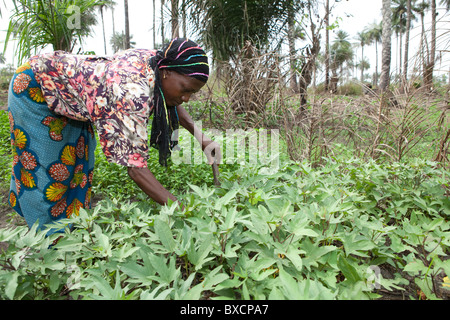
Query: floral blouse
(114, 93)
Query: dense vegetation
(345, 229)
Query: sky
(353, 16)
(356, 15)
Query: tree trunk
(163, 40)
(113, 22)
(423, 45)
(127, 26)
(154, 24)
(428, 72)
(183, 17)
(376, 64)
(400, 58)
(103, 28)
(308, 66)
(292, 53)
(175, 22)
(362, 63)
(327, 46)
(408, 27)
(386, 51)
(334, 80)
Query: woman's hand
(212, 151)
(209, 147)
(147, 182)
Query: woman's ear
(165, 73)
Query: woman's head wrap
(185, 57)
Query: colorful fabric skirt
(53, 156)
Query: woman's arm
(187, 122)
(145, 180)
(212, 151)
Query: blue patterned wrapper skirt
(53, 157)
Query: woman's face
(178, 88)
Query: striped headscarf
(183, 56)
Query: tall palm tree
(308, 66)
(291, 35)
(398, 27)
(408, 27)
(386, 41)
(163, 40)
(430, 59)
(184, 17)
(340, 53)
(363, 39)
(175, 22)
(409, 17)
(117, 41)
(295, 32)
(106, 4)
(327, 44)
(127, 26)
(113, 20)
(363, 65)
(423, 47)
(399, 21)
(375, 31)
(154, 24)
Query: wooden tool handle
(215, 169)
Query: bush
(350, 89)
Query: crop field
(345, 220)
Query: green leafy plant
(301, 233)
(36, 24)
(5, 148)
